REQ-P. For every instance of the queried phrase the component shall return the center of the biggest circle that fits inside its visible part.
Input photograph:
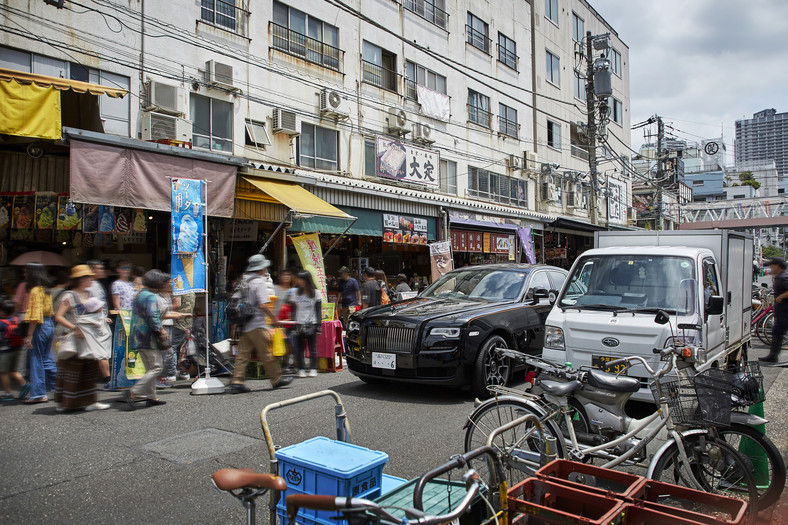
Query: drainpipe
(444, 223)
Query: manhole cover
(199, 445)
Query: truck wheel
(491, 367)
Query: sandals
(36, 400)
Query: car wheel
(491, 368)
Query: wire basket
(747, 385)
(703, 400)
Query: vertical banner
(527, 242)
(187, 263)
(440, 259)
(311, 256)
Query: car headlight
(353, 326)
(447, 333)
(554, 338)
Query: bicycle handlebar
(657, 374)
(457, 461)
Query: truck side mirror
(662, 317)
(715, 305)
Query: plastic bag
(278, 347)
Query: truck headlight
(554, 338)
(682, 340)
(446, 333)
(353, 326)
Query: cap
(344, 269)
(257, 262)
(778, 261)
(81, 270)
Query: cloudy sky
(702, 64)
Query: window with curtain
(479, 108)
(421, 76)
(553, 134)
(496, 187)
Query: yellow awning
(297, 198)
(61, 84)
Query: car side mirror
(715, 305)
(541, 293)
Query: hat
(778, 261)
(92, 305)
(344, 269)
(257, 263)
(81, 270)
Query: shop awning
(30, 105)
(296, 198)
(459, 221)
(369, 223)
(570, 224)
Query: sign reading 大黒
(407, 163)
(187, 264)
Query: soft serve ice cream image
(188, 242)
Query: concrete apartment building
(442, 110)
(764, 137)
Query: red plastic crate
(544, 502)
(690, 504)
(586, 477)
(635, 515)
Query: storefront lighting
(150, 217)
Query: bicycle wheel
(768, 464)
(765, 328)
(716, 466)
(519, 447)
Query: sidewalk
(773, 408)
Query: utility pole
(590, 103)
(660, 138)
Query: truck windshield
(615, 282)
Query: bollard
(760, 462)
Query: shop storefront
(564, 239)
(484, 239)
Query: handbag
(66, 345)
(278, 347)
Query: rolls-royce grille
(395, 339)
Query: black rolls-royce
(446, 334)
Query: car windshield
(496, 285)
(616, 282)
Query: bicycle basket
(748, 385)
(703, 400)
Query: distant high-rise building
(764, 137)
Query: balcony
(479, 116)
(225, 15)
(380, 76)
(428, 11)
(508, 127)
(477, 39)
(579, 152)
(506, 57)
(311, 50)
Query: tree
(771, 251)
(747, 178)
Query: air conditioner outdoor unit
(398, 121)
(163, 98)
(157, 126)
(514, 162)
(546, 168)
(550, 192)
(423, 133)
(219, 74)
(284, 121)
(530, 161)
(333, 104)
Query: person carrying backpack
(10, 346)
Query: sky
(702, 64)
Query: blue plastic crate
(324, 466)
(390, 483)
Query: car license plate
(386, 361)
(600, 361)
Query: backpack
(239, 311)
(11, 337)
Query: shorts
(8, 361)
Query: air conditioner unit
(158, 126)
(164, 98)
(514, 162)
(550, 192)
(546, 168)
(398, 121)
(530, 161)
(284, 121)
(423, 133)
(219, 74)
(333, 104)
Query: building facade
(764, 137)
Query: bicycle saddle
(611, 382)
(554, 388)
(229, 479)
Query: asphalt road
(154, 465)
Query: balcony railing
(429, 12)
(479, 116)
(225, 15)
(507, 57)
(380, 76)
(477, 39)
(508, 127)
(311, 50)
(579, 152)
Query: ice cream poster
(90, 218)
(69, 217)
(46, 211)
(106, 219)
(187, 265)
(6, 207)
(24, 211)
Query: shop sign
(404, 230)
(511, 247)
(475, 242)
(486, 242)
(310, 254)
(441, 261)
(407, 163)
(187, 262)
(243, 231)
(617, 201)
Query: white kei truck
(606, 307)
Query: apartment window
(369, 158)
(477, 33)
(507, 120)
(256, 134)
(433, 11)
(500, 188)
(507, 51)
(421, 76)
(114, 111)
(553, 68)
(224, 14)
(318, 148)
(478, 108)
(580, 86)
(615, 62)
(300, 34)
(553, 134)
(697, 183)
(578, 28)
(212, 123)
(448, 181)
(379, 67)
(551, 10)
(616, 111)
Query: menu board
(404, 230)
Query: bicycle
(246, 485)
